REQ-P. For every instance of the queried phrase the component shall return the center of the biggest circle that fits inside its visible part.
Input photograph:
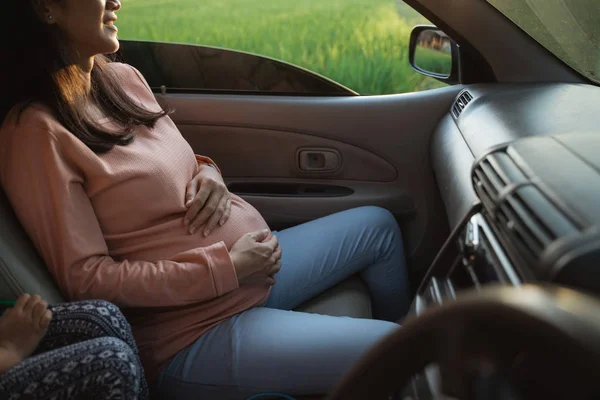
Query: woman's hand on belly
(258, 279)
(208, 201)
(256, 262)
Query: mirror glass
(433, 52)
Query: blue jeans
(273, 349)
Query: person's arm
(48, 196)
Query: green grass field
(433, 61)
(362, 44)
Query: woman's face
(87, 24)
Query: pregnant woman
(121, 209)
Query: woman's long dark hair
(36, 66)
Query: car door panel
(270, 153)
(383, 142)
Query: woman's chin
(112, 47)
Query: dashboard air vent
(493, 174)
(461, 102)
(521, 225)
(519, 209)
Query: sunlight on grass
(362, 44)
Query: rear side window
(333, 47)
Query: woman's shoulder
(33, 126)
(29, 117)
(121, 68)
(29, 131)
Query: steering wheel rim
(547, 317)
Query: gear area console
(537, 220)
(470, 259)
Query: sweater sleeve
(203, 160)
(47, 193)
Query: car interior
(494, 180)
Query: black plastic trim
(446, 255)
(159, 90)
(288, 189)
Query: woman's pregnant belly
(165, 240)
(243, 219)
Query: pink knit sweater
(110, 226)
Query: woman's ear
(44, 10)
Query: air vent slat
(555, 222)
(460, 103)
(484, 188)
(524, 215)
(505, 167)
(492, 176)
(517, 233)
(496, 172)
(527, 220)
(456, 109)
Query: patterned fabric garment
(88, 353)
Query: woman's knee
(92, 318)
(116, 351)
(381, 218)
(100, 307)
(124, 354)
(383, 225)
(99, 367)
(111, 347)
(122, 371)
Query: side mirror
(433, 53)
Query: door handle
(319, 160)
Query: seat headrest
(21, 268)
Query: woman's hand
(21, 329)
(208, 201)
(256, 262)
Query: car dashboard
(488, 115)
(518, 169)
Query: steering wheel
(528, 342)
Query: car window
(570, 29)
(360, 44)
